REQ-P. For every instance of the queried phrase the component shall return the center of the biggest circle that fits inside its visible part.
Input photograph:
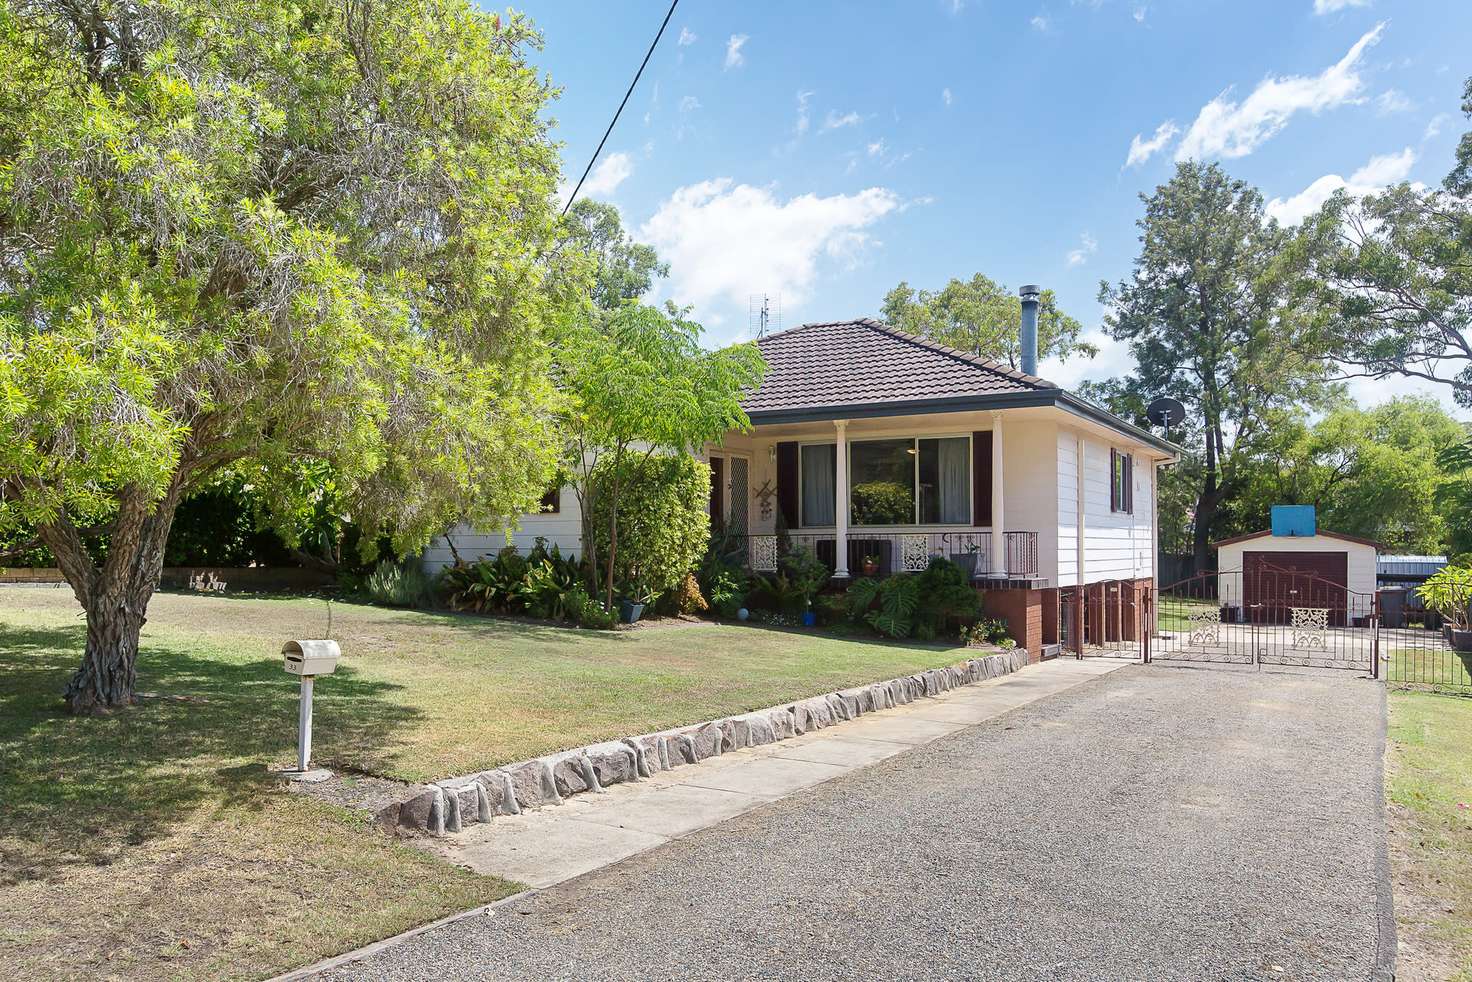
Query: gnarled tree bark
(114, 595)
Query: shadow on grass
(77, 789)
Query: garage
(1264, 576)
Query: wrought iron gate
(1266, 616)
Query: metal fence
(888, 553)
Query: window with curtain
(818, 469)
(882, 482)
(945, 481)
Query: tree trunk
(1207, 503)
(109, 670)
(115, 596)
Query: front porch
(886, 552)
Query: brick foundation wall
(1022, 612)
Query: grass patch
(151, 843)
(1174, 613)
(1429, 787)
(1432, 665)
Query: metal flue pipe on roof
(1029, 337)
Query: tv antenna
(764, 314)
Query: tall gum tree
(255, 232)
(1206, 316)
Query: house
(1263, 575)
(879, 449)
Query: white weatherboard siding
(1067, 554)
(1359, 564)
(1117, 545)
(1031, 479)
(560, 529)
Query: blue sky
(824, 151)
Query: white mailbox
(308, 659)
(311, 657)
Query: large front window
(910, 481)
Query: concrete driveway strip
(1157, 823)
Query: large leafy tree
(264, 232)
(982, 317)
(623, 269)
(1206, 315)
(637, 382)
(1390, 276)
(1380, 473)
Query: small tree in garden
(257, 233)
(663, 519)
(639, 382)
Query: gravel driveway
(1159, 823)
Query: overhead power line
(611, 123)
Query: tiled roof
(865, 363)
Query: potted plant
(869, 565)
(806, 575)
(1449, 593)
(967, 560)
(631, 605)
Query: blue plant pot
(742, 614)
(629, 612)
(809, 618)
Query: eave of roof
(1323, 532)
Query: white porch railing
(899, 551)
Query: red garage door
(1272, 582)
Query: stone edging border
(452, 804)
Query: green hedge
(663, 520)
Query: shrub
(663, 520)
(537, 583)
(586, 611)
(946, 596)
(690, 599)
(726, 591)
(398, 584)
(1449, 592)
(987, 631)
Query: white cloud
(1393, 101)
(1378, 173)
(1434, 125)
(1087, 246)
(1231, 129)
(734, 56)
(724, 241)
(687, 37)
(945, 95)
(1142, 150)
(876, 148)
(1039, 23)
(1332, 6)
(689, 104)
(833, 121)
(804, 116)
(957, 6)
(611, 171)
(1138, 14)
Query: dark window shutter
(1129, 483)
(717, 491)
(787, 483)
(981, 477)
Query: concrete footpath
(548, 846)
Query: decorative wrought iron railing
(888, 553)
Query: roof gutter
(1050, 397)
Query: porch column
(840, 502)
(999, 527)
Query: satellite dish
(1166, 412)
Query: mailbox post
(308, 659)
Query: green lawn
(1174, 612)
(151, 843)
(1429, 788)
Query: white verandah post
(999, 528)
(840, 501)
